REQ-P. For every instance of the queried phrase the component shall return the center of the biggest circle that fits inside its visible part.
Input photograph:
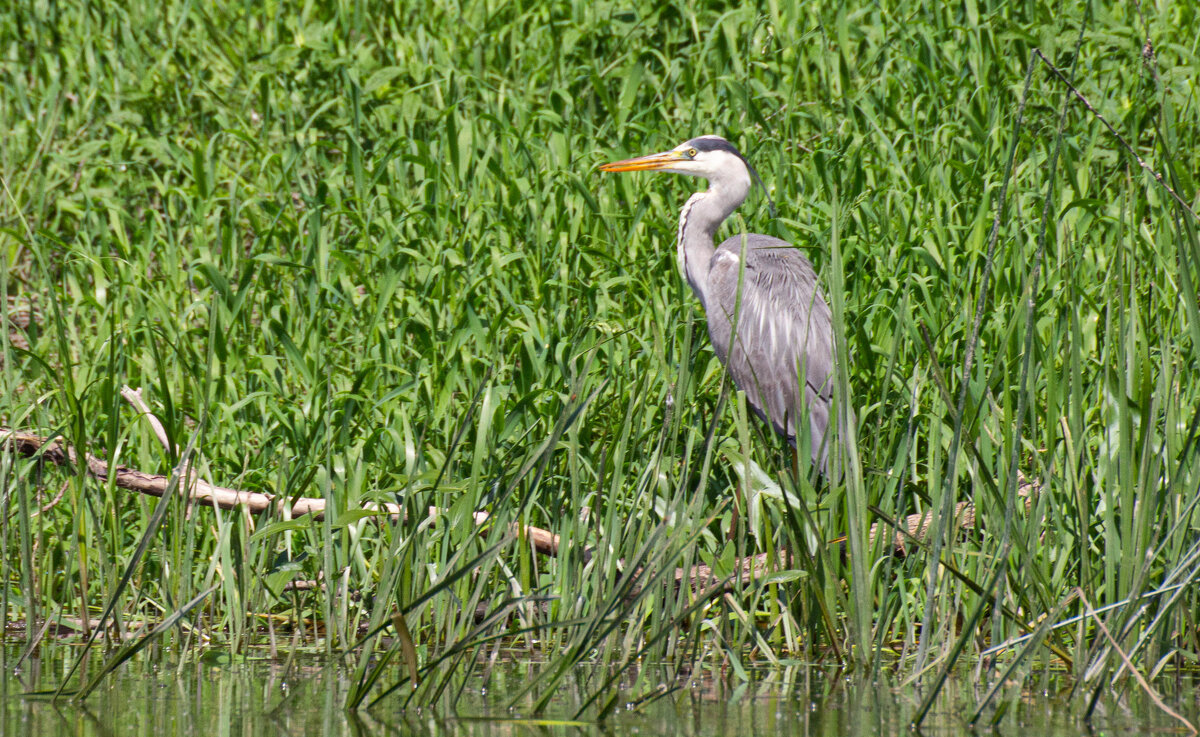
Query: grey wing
(784, 336)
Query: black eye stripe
(714, 144)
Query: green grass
(361, 252)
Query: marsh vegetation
(360, 252)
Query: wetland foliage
(360, 252)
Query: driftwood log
(209, 495)
(700, 577)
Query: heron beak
(664, 160)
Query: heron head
(706, 156)
(711, 157)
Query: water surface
(220, 694)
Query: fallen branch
(916, 526)
(203, 493)
(210, 495)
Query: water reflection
(219, 694)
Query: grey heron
(758, 292)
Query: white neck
(702, 214)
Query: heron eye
(692, 153)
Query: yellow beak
(663, 160)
